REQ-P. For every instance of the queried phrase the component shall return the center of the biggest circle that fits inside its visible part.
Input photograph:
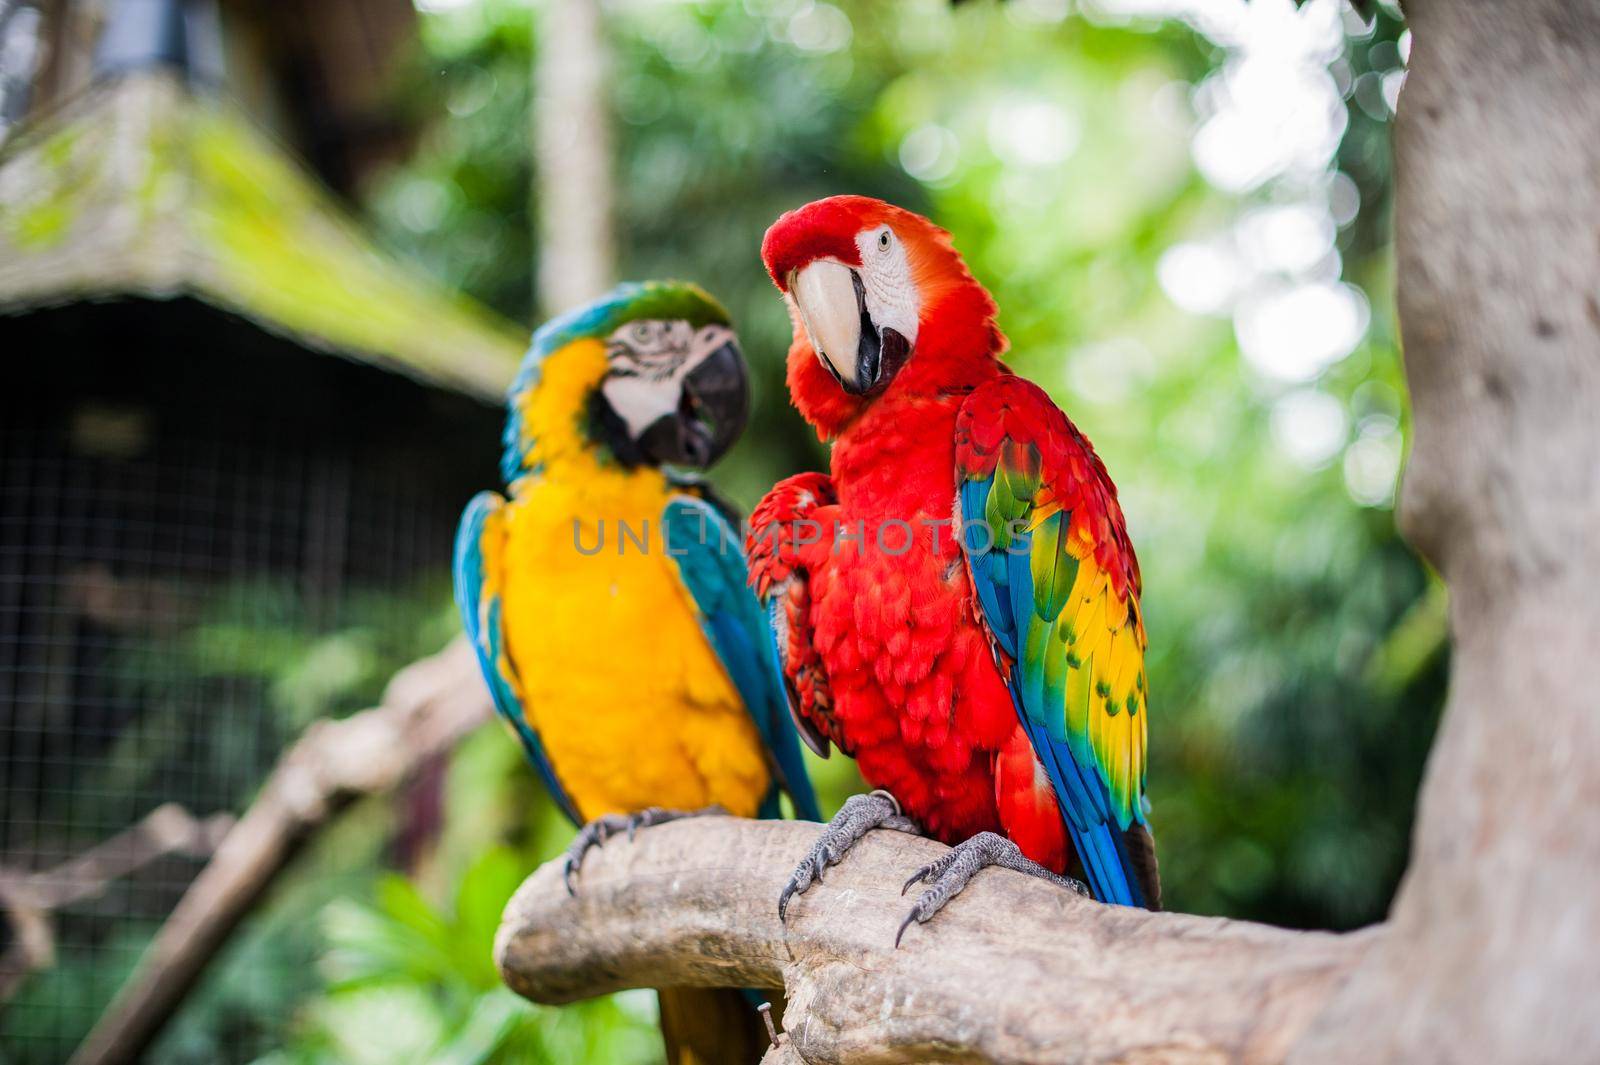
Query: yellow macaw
(607, 597)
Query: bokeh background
(1182, 207)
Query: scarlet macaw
(957, 605)
(607, 597)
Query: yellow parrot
(607, 596)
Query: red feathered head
(879, 299)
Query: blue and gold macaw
(607, 597)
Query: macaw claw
(602, 828)
(859, 815)
(949, 873)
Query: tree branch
(1014, 970)
(30, 897)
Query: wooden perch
(428, 707)
(1014, 970)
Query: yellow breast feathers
(615, 674)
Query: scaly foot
(950, 873)
(605, 826)
(855, 818)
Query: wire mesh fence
(178, 599)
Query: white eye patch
(648, 360)
(891, 294)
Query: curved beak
(833, 308)
(712, 411)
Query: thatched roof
(143, 188)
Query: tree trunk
(575, 189)
(1497, 234)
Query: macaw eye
(883, 240)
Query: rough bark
(694, 903)
(1497, 233)
(428, 707)
(572, 138)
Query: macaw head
(648, 374)
(880, 300)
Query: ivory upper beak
(825, 294)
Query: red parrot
(957, 605)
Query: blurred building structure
(227, 421)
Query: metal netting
(180, 594)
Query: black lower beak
(879, 352)
(869, 346)
(711, 413)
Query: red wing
(1057, 588)
(782, 528)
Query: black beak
(711, 413)
(879, 352)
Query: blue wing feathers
(480, 614)
(712, 567)
(1097, 841)
(974, 499)
(1004, 583)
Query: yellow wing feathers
(1105, 687)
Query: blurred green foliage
(409, 981)
(1297, 647)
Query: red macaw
(957, 605)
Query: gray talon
(589, 836)
(602, 828)
(932, 871)
(859, 815)
(912, 916)
(950, 873)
